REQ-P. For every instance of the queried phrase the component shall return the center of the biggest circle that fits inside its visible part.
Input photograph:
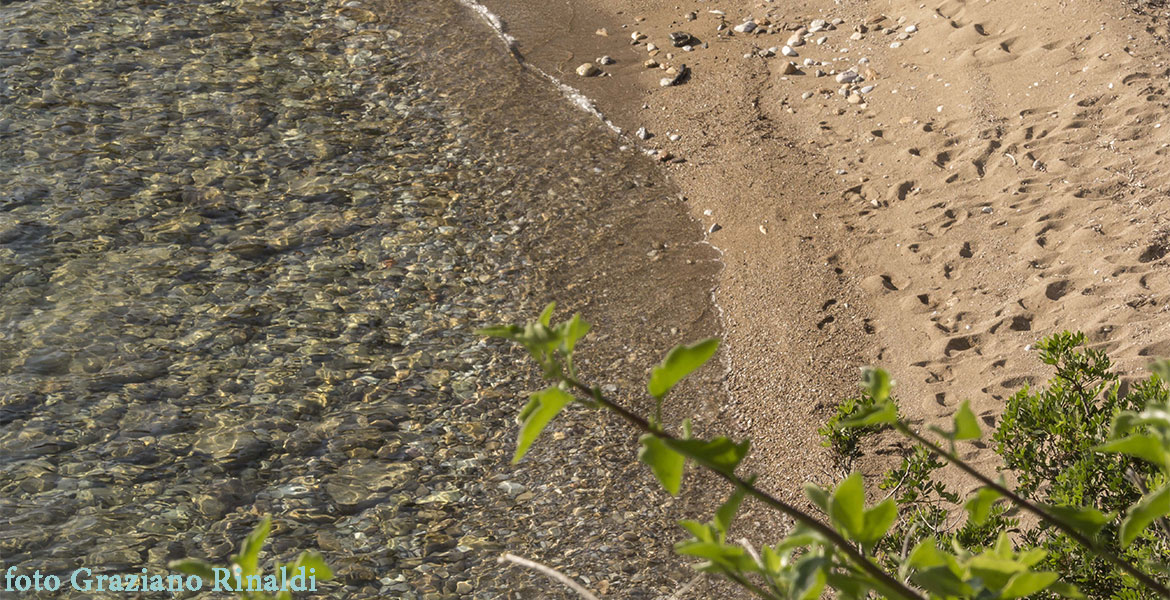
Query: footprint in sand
(1057, 290)
(960, 344)
(883, 284)
(1016, 323)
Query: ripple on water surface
(242, 245)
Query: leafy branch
(842, 552)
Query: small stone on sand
(681, 38)
(588, 70)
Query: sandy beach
(246, 247)
(926, 187)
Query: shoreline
(622, 231)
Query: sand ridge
(1004, 179)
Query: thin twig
(1035, 509)
(899, 486)
(551, 572)
(677, 595)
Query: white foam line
(493, 20)
(584, 103)
(576, 97)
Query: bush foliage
(1046, 438)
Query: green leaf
(701, 531)
(773, 562)
(847, 507)
(539, 412)
(801, 536)
(809, 581)
(1002, 548)
(1124, 422)
(546, 314)
(666, 463)
(979, 505)
(571, 331)
(249, 557)
(876, 383)
(1027, 583)
(926, 554)
(1143, 446)
(1031, 557)
(818, 496)
(1087, 520)
(510, 332)
(1152, 506)
(726, 512)
(193, 566)
(877, 522)
(884, 413)
(1066, 590)
(943, 582)
(313, 560)
(731, 557)
(720, 454)
(994, 570)
(680, 362)
(966, 427)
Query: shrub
(1046, 438)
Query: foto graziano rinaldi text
(222, 580)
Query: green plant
(244, 576)
(844, 550)
(1046, 438)
(845, 442)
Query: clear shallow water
(242, 247)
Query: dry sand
(1008, 177)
